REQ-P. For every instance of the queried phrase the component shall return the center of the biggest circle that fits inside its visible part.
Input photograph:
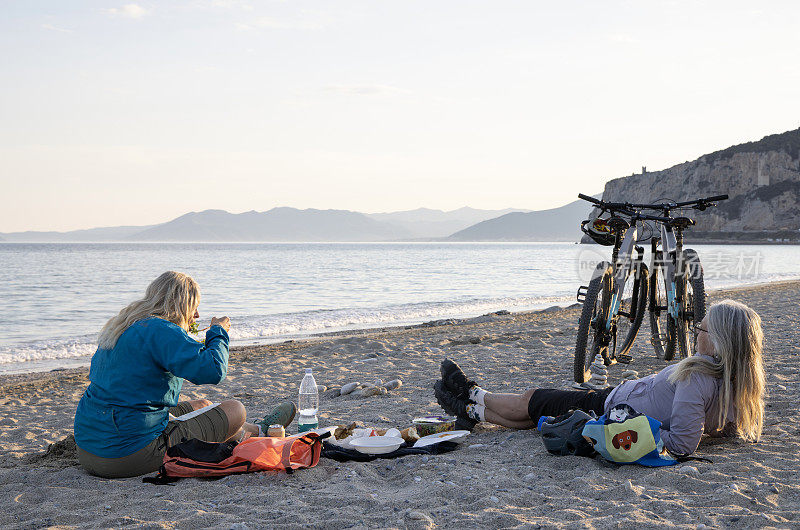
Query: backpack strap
(682, 459)
(286, 454)
(161, 478)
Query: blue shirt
(133, 385)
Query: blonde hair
(736, 334)
(173, 296)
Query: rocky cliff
(762, 179)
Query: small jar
(276, 431)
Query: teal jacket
(133, 385)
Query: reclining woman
(123, 425)
(719, 390)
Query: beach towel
(196, 458)
(340, 454)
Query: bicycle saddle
(618, 223)
(682, 222)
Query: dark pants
(552, 402)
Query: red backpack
(195, 458)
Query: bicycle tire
(692, 293)
(595, 304)
(662, 325)
(639, 310)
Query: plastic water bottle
(308, 403)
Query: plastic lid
(308, 370)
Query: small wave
(276, 327)
(48, 350)
(308, 322)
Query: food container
(377, 445)
(276, 431)
(427, 425)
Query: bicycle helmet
(597, 227)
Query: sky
(115, 113)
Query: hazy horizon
(263, 211)
(134, 113)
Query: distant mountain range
(111, 233)
(427, 223)
(762, 179)
(556, 224)
(277, 224)
(291, 224)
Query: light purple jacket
(685, 409)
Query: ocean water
(54, 298)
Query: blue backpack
(628, 437)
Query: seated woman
(720, 389)
(123, 425)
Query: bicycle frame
(669, 247)
(623, 265)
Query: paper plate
(447, 436)
(376, 445)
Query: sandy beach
(497, 478)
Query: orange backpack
(195, 458)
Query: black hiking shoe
(453, 406)
(455, 380)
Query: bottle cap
(308, 370)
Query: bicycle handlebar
(703, 202)
(590, 199)
(626, 206)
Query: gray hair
(736, 334)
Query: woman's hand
(225, 322)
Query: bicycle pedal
(661, 339)
(581, 297)
(624, 359)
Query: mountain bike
(677, 296)
(676, 288)
(616, 298)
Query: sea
(55, 297)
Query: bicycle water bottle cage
(682, 222)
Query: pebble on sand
(373, 391)
(394, 384)
(418, 516)
(689, 470)
(636, 490)
(349, 387)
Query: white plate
(447, 436)
(376, 445)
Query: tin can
(276, 431)
(427, 425)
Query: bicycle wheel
(692, 301)
(632, 308)
(662, 325)
(591, 327)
